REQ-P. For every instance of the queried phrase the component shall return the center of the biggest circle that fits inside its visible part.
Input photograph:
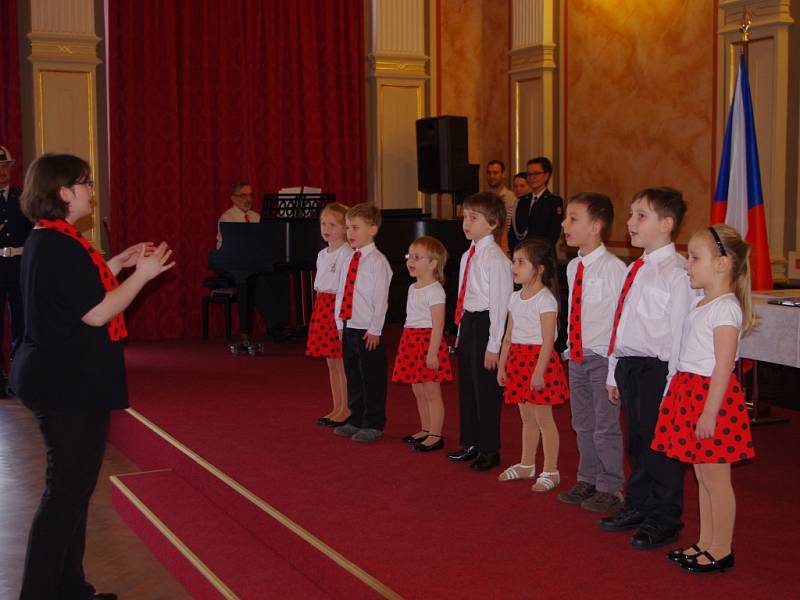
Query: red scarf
(116, 327)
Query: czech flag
(738, 200)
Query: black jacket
(544, 221)
(15, 225)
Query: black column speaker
(442, 153)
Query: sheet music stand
(303, 206)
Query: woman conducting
(69, 369)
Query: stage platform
(242, 495)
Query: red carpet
(419, 524)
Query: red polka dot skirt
(409, 366)
(323, 339)
(522, 359)
(682, 406)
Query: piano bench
(226, 297)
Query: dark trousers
(479, 394)
(655, 486)
(10, 293)
(366, 380)
(75, 443)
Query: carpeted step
(212, 555)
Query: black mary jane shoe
(324, 421)
(713, 566)
(333, 424)
(679, 555)
(420, 447)
(410, 439)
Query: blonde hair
(738, 251)
(340, 210)
(369, 212)
(436, 251)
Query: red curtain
(205, 92)
(10, 102)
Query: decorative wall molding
(538, 57)
(60, 47)
(65, 16)
(527, 24)
(399, 83)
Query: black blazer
(545, 218)
(16, 225)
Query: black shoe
(721, 565)
(624, 519)
(420, 447)
(465, 454)
(332, 423)
(105, 596)
(651, 535)
(486, 461)
(325, 421)
(679, 555)
(410, 439)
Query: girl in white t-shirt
(703, 418)
(529, 367)
(323, 339)
(422, 357)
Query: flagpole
(745, 29)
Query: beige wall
(639, 96)
(473, 73)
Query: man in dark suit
(14, 228)
(539, 214)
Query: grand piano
(291, 243)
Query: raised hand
(156, 262)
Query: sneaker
(603, 502)
(346, 430)
(367, 435)
(578, 493)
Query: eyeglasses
(416, 257)
(535, 173)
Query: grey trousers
(596, 423)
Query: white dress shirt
(489, 286)
(654, 311)
(329, 268)
(603, 276)
(697, 342)
(418, 305)
(526, 315)
(236, 215)
(370, 294)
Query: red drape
(205, 92)
(10, 102)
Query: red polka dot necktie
(575, 338)
(625, 289)
(463, 291)
(116, 326)
(346, 311)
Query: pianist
(269, 292)
(242, 209)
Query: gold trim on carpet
(172, 538)
(305, 535)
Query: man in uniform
(14, 228)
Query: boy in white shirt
(361, 305)
(485, 286)
(595, 280)
(643, 353)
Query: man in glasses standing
(538, 214)
(14, 228)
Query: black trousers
(11, 294)
(479, 394)
(75, 443)
(366, 380)
(655, 485)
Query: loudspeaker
(442, 153)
